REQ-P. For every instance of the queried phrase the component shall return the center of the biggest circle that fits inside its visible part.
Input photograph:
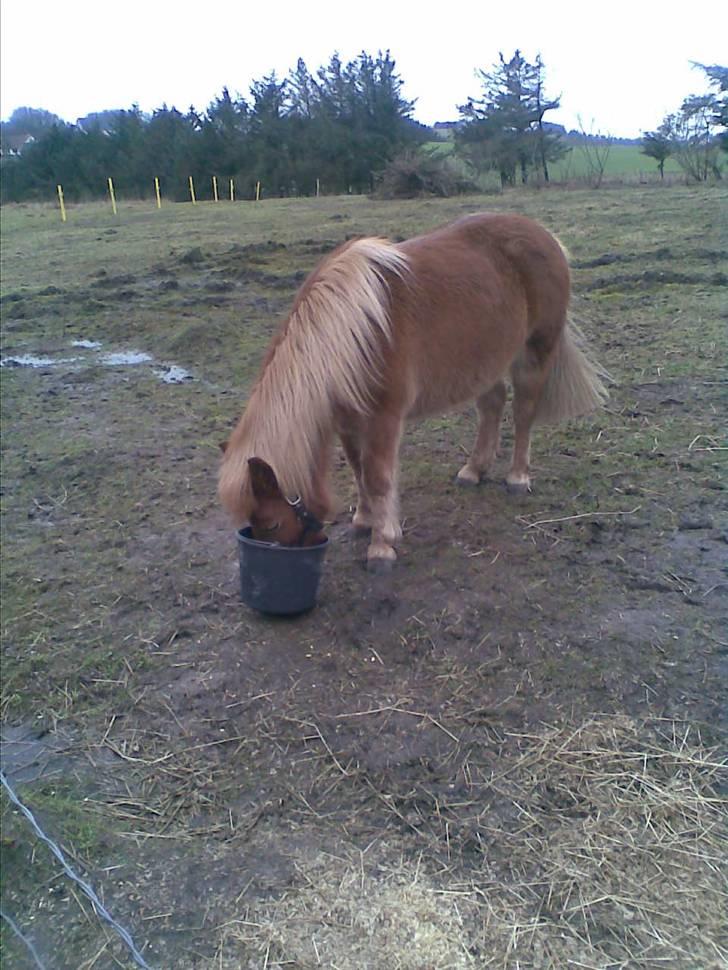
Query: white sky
(620, 65)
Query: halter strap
(307, 519)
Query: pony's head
(275, 517)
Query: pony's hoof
(380, 567)
(518, 488)
(467, 478)
(360, 521)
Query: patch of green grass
(620, 162)
(71, 821)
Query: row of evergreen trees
(340, 126)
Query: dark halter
(307, 519)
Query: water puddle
(87, 344)
(29, 754)
(125, 357)
(169, 373)
(172, 374)
(30, 360)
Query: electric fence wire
(99, 907)
(21, 936)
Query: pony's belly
(434, 396)
(463, 358)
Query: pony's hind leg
(380, 455)
(351, 441)
(490, 410)
(529, 374)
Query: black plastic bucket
(279, 579)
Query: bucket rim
(245, 538)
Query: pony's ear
(263, 479)
(224, 446)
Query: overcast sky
(620, 65)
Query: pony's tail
(576, 383)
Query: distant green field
(623, 161)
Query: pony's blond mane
(327, 355)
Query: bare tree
(595, 148)
(693, 136)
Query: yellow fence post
(232, 191)
(192, 191)
(63, 205)
(156, 189)
(111, 194)
(257, 191)
(214, 188)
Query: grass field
(623, 162)
(510, 753)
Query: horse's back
(479, 289)
(498, 246)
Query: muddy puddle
(35, 362)
(167, 373)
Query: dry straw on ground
(615, 861)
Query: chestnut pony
(383, 332)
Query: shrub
(413, 174)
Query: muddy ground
(507, 753)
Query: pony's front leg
(351, 441)
(380, 459)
